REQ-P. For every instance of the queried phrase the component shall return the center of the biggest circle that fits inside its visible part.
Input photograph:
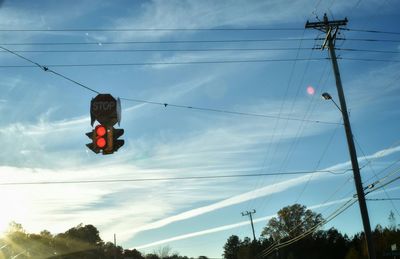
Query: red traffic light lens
(101, 142)
(100, 131)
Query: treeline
(328, 244)
(82, 242)
(294, 220)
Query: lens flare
(310, 90)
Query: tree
(231, 247)
(392, 221)
(163, 252)
(133, 254)
(291, 221)
(79, 242)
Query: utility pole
(331, 29)
(248, 213)
(115, 246)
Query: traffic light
(105, 139)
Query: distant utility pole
(248, 213)
(331, 28)
(115, 246)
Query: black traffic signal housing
(105, 139)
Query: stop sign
(105, 109)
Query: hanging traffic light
(105, 139)
(105, 109)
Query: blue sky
(45, 118)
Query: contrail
(227, 227)
(261, 192)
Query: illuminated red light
(101, 142)
(100, 131)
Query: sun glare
(14, 208)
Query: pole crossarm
(326, 24)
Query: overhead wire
(165, 63)
(268, 156)
(99, 43)
(194, 50)
(147, 29)
(330, 139)
(167, 178)
(373, 171)
(300, 129)
(196, 62)
(383, 199)
(371, 31)
(369, 50)
(370, 60)
(369, 40)
(154, 50)
(47, 69)
(225, 111)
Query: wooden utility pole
(331, 29)
(248, 213)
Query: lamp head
(326, 96)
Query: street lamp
(327, 96)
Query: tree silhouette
(291, 221)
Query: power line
(369, 50)
(384, 199)
(196, 62)
(269, 150)
(168, 63)
(155, 50)
(371, 31)
(373, 171)
(168, 178)
(155, 42)
(180, 30)
(228, 112)
(47, 69)
(369, 40)
(370, 60)
(146, 29)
